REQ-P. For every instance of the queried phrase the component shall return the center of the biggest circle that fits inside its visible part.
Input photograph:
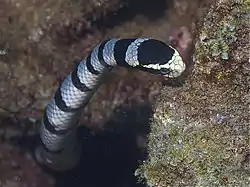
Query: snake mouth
(163, 71)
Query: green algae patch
(219, 29)
(200, 133)
(187, 156)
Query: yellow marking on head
(175, 65)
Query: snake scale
(59, 148)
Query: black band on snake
(59, 149)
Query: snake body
(59, 147)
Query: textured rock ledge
(200, 132)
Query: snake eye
(164, 71)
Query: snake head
(157, 57)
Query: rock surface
(200, 137)
(38, 48)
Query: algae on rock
(200, 134)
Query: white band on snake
(59, 148)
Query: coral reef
(201, 137)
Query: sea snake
(59, 148)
